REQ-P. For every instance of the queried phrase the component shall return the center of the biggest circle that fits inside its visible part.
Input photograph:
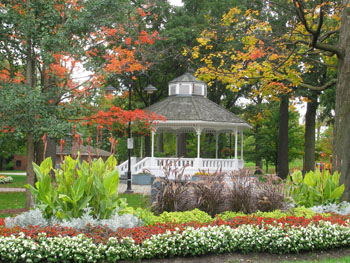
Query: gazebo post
(236, 140)
(198, 142)
(216, 144)
(241, 144)
(152, 155)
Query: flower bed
(5, 179)
(245, 234)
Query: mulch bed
(13, 211)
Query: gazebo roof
(187, 77)
(190, 111)
(187, 108)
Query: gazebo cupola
(187, 85)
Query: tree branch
(325, 86)
(325, 47)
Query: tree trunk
(181, 145)
(30, 171)
(310, 125)
(258, 162)
(160, 142)
(51, 150)
(282, 157)
(148, 146)
(341, 147)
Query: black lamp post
(149, 89)
(130, 146)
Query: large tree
(40, 45)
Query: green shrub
(315, 188)
(149, 218)
(78, 185)
(185, 217)
(298, 212)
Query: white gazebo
(188, 110)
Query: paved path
(19, 173)
(12, 190)
(140, 189)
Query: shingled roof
(193, 108)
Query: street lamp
(130, 146)
(109, 90)
(150, 89)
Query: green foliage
(195, 215)
(149, 218)
(78, 185)
(298, 212)
(315, 188)
(262, 140)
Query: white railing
(142, 165)
(224, 164)
(123, 167)
(155, 165)
(161, 162)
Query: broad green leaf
(310, 179)
(111, 182)
(78, 189)
(37, 171)
(46, 166)
(84, 202)
(297, 177)
(337, 193)
(66, 198)
(329, 186)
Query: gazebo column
(242, 145)
(216, 144)
(197, 162)
(198, 131)
(152, 150)
(236, 140)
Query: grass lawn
(328, 260)
(12, 200)
(137, 200)
(18, 181)
(295, 164)
(18, 200)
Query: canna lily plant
(315, 188)
(76, 186)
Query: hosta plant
(315, 188)
(77, 185)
